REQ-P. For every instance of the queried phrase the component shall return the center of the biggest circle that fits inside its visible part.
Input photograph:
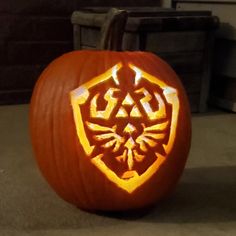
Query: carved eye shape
(76, 139)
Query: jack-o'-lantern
(110, 130)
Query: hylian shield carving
(127, 127)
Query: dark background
(32, 33)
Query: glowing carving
(110, 134)
(134, 180)
(129, 128)
(135, 112)
(130, 147)
(152, 115)
(122, 112)
(128, 100)
(111, 103)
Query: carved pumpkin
(110, 130)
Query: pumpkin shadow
(203, 195)
(131, 215)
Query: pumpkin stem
(113, 29)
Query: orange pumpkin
(110, 130)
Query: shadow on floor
(204, 195)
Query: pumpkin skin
(57, 142)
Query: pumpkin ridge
(110, 164)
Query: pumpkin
(110, 130)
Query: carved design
(111, 103)
(152, 115)
(110, 134)
(131, 145)
(122, 113)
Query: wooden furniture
(223, 86)
(183, 38)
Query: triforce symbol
(134, 149)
